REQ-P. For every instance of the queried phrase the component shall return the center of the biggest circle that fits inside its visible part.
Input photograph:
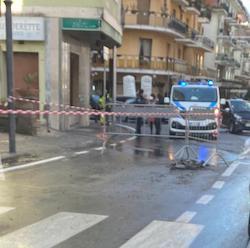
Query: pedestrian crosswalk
(58, 228)
(50, 231)
(161, 234)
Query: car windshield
(240, 106)
(194, 94)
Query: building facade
(163, 39)
(52, 50)
(230, 33)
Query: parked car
(236, 115)
(125, 99)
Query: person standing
(151, 120)
(102, 103)
(139, 120)
(158, 120)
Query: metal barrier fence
(195, 125)
(164, 121)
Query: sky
(247, 4)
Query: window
(168, 49)
(179, 53)
(174, 13)
(145, 50)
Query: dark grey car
(236, 115)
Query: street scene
(125, 124)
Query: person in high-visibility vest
(102, 103)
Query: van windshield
(194, 94)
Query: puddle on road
(158, 148)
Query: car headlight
(238, 117)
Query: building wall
(160, 41)
(26, 47)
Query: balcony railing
(195, 4)
(222, 6)
(206, 13)
(155, 19)
(205, 41)
(153, 63)
(225, 59)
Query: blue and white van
(204, 95)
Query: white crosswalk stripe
(162, 234)
(51, 231)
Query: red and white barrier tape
(20, 99)
(97, 113)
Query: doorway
(74, 79)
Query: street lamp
(9, 65)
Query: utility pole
(9, 63)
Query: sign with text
(24, 28)
(129, 86)
(81, 24)
(146, 85)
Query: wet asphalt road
(132, 185)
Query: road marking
(131, 138)
(186, 217)
(98, 148)
(122, 141)
(50, 231)
(229, 171)
(114, 144)
(82, 152)
(205, 199)
(218, 185)
(4, 210)
(161, 234)
(20, 167)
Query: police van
(200, 95)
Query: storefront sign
(129, 86)
(24, 28)
(81, 24)
(146, 85)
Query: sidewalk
(46, 145)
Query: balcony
(177, 25)
(221, 7)
(226, 60)
(154, 21)
(151, 65)
(205, 41)
(194, 39)
(205, 16)
(194, 7)
(181, 2)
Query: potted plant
(27, 124)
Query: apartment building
(52, 50)
(230, 32)
(163, 39)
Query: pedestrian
(46, 116)
(101, 103)
(151, 120)
(158, 120)
(139, 120)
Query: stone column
(53, 68)
(84, 80)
